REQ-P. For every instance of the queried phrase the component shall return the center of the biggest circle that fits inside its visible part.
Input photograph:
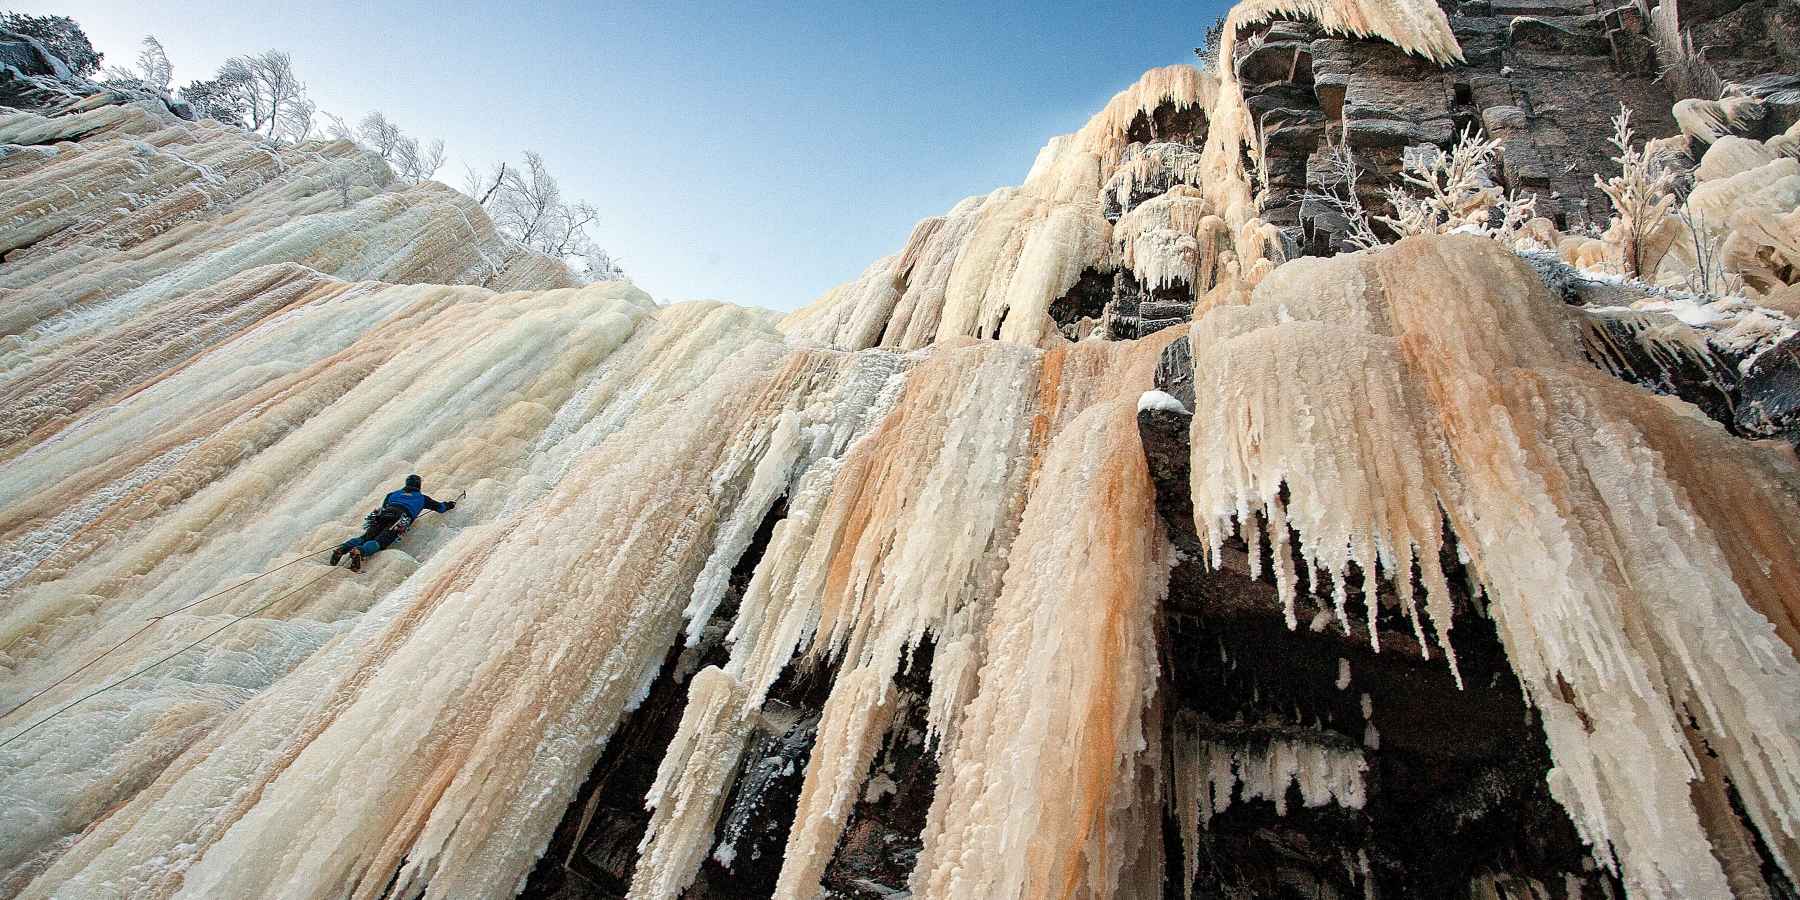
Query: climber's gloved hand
(449, 505)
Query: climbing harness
(159, 617)
(400, 523)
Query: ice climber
(385, 525)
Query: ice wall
(181, 418)
(435, 715)
(1632, 592)
(214, 356)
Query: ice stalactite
(778, 616)
(992, 266)
(1172, 239)
(1324, 775)
(902, 539)
(1055, 798)
(1285, 398)
(894, 570)
(1629, 590)
(1154, 168)
(690, 785)
(1415, 26)
(1206, 776)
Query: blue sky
(737, 153)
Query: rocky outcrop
(1543, 77)
(1745, 40)
(1768, 397)
(1118, 306)
(34, 79)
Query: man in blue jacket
(385, 525)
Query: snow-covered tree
(527, 202)
(152, 72)
(221, 98)
(337, 129)
(380, 134)
(60, 35)
(418, 163)
(1446, 190)
(409, 159)
(273, 95)
(1642, 195)
(527, 206)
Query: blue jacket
(413, 502)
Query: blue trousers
(370, 545)
(376, 537)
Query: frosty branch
(528, 208)
(1642, 194)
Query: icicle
(1039, 795)
(767, 484)
(686, 798)
(1585, 508)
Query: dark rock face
(882, 840)
(1121, 305)
(1744, 40)
(1169, 123)
(28, 70)
(1544, 77)
(1752, 395)
(1769, 395)
(27, 56)
(1622, 344)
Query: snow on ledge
(1162, 401)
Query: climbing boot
(337, 555)
(356, 559)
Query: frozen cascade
(916, 478)
(1622, 618)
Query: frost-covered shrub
(1642, 194)
(1454, 191)
(1440, 192)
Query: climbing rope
(151, 622)
(157, 618)
(203, 639)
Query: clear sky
(757, 153)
